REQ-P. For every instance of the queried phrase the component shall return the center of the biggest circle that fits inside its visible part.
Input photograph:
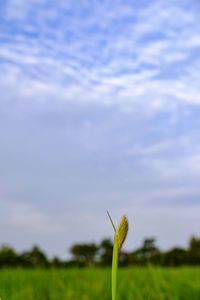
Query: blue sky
(99, 109)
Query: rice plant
(120, 234)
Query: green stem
(114, 269)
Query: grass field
(84, 284)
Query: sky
(99, 109)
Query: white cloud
(93, 66)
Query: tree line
(91, 254)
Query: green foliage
(34, 258)
(148, 253)
(56, 263)
(84, 254)
(8, 257)
(101, 255)
(174, 257)
(105, 252)
(194, 251)
(146, 283)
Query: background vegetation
(139, 283)
(91, 254)
(87, 275)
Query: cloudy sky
(99, 109)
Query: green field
(76, 284)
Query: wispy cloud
(118, 55)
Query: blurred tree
(174, 257)
(84, 254)
(8, 257)
(127, 259)
(56, 263)
(194, 251)
(34, 258)
(105, 252)
(148, 253)
(90, 254)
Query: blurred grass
(90, 284)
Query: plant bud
(121, 231)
